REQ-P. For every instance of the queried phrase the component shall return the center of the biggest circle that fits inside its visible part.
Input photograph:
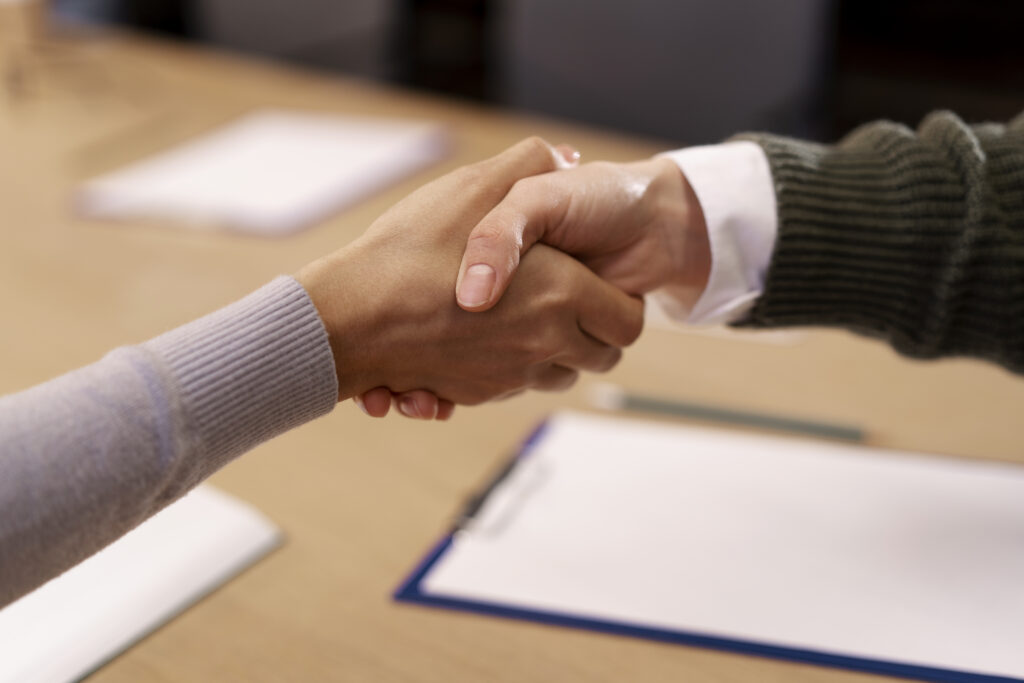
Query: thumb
(492, 255)
(524, 217)
(496, 243)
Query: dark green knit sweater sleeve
(917, 238)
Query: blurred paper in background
(71, 626)
(271, 172)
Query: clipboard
(939, 586)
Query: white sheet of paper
(796, 543)
(269, 172)
(75, 623)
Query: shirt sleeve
(733, 183)
(912, 236)
(89, 455)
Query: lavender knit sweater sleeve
(87, 456)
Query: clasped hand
(387, 300)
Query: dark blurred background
(688, 71)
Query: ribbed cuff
(914, 237)
(251, 370)
(868, 238)
(845, 238)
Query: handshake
(554, 258)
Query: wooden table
(361, 500)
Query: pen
(613, 397)
(475, 502)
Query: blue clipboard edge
(410, 591)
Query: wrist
(330, 283)
(680, 225)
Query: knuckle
(630, 325)
(523, 357)
(610, 360)
(546, 344)
(495, 244)
(537, 146)
(472, 174)
(487, 235)
(534, 352)
(475, 181)
(635, 326)
(519, 188)
(566, 380)
(574, 280)
(560, 294)
(532, 195)
(482, 181)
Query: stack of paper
(270, 172)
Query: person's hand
(637, 225)
(386, 300)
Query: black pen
(477, 500)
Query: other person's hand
(637, 225)
(386, 301)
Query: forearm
(913, 237)
(89, 455)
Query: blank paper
(78, 621)
(270, 172)
(790, 543)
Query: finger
(587, 353)
(495, 245)
(358, 400)
(375, 402)
(555, 378)
(527, 157)
(608, 314)
(570, 155)
(445, 408)
(418, 404)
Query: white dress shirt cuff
(733, 184)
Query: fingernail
(407, 405)
(569, 153)
(476, 285)
(359, 402)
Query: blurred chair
(353, 36)
(692, 71)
